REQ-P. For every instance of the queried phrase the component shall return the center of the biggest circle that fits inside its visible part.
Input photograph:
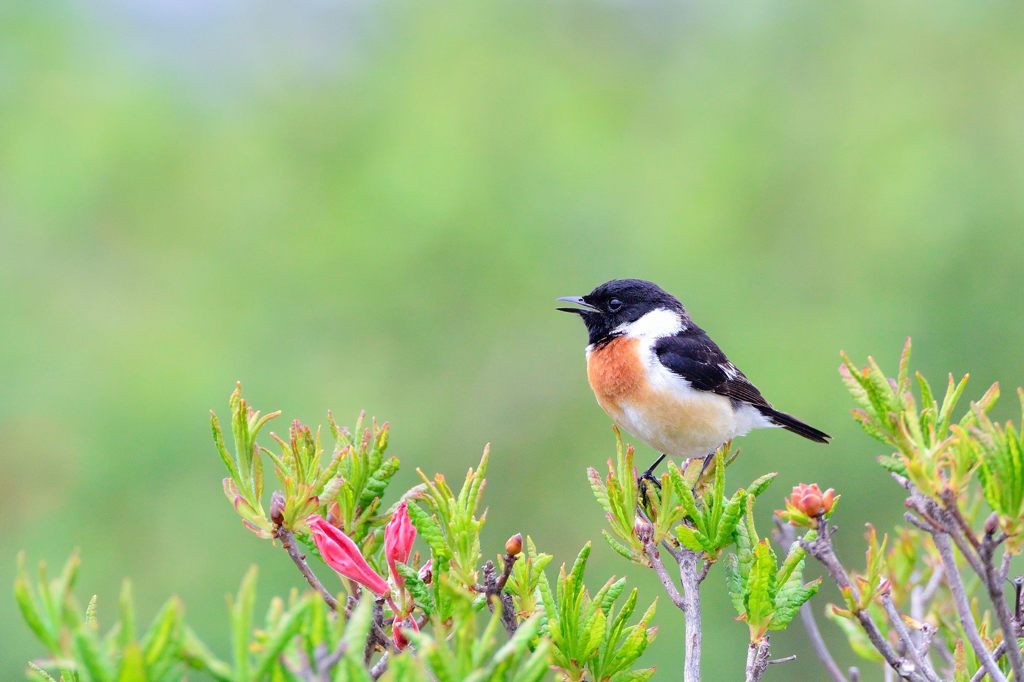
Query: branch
(757, 659)
(690, 580)
(993, 579)
(822, 550)
(493, 586)
(963, 607)
(666, 580)
(785, 536)
(288, 543)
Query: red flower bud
(399, 535)
(396, 631)
(342, 554)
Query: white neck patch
(655, 324)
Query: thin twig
(379, 667)
(818, 642)
(288, 543)
(963, 607)
(326, 664)
(666, 580)
(997, 654)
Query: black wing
(696, 358)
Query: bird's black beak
(584, 307)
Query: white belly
(686, 426)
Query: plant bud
(426, 573)
(334, 514)
(810, 500)
(643, 529)
(992, 524)
(514, 545)
(277, 508)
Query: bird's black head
(611, 308)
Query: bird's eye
(614, 305)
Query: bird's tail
(791, 423)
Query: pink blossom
(342, 554)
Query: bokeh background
(373, 205)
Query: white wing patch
(730, 370)
(655, 324)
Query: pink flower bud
(277, 505)
(399, 535)
(342, 554)
(426, 573)
(810, 500)
(643, 529)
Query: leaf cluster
(590, 638)
(765, 595)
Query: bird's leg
(649, 476)
(708, 458)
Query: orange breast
(616, 373)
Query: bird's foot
(648, 475)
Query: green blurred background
(373, 205)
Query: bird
(660, 377)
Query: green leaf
(761, 484)
(241, 622)
(690, 538)
(536, 666)
(160, 642)
(197, 655)
(735, 583)
(40, 674)
(429, 530)
(421, 594)
(730, 517)
(575, 580)
(280, 637)
(133, 669)
(685, 494)
(89, 653)
(378, 482)
(218, 441)
(761, 588)
(127, 605)
(787, 608)
(357, 629)
(30, 612)
(619, 548)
